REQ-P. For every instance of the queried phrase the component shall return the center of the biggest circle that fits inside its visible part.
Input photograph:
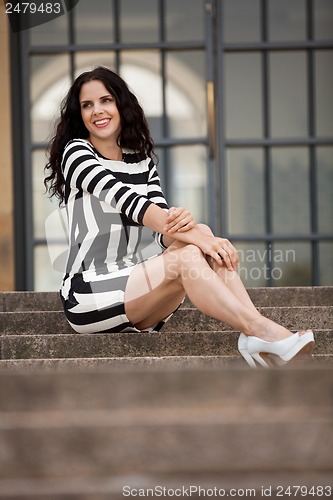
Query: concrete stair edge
(115, 363)
(190, 319)
(262, 296)
(158, 344)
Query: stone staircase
(96, 417)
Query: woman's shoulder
(78, 148)
(78, 143)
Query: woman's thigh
(153, 290)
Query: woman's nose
(97, 108)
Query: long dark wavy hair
(134, 133)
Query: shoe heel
(248, 358)
(259, 358)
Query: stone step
(113, 489)
(246, 484)
(98, 363)
(185, 319)
(261, 296)
(295, 388)
(293, 318)
(164, 343)
(176, 424)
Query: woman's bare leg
(232, 280)
(157, 286)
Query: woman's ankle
(268, 330)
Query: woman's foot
(266, 329)
(275, 353)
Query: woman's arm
(178, 218)
(83, 171)
(220, 249)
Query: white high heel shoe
(242, 347)
(253, 348)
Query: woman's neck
(108, 149)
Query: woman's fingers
(225, 258)
(183, 225)
(225, 254)
(179, 219)
(229, 254)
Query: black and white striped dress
(105, 201)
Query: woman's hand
(220, 249)
(179, 220)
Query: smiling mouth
(102, 123)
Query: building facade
(238, 96)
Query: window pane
(86, 61)
(325, 189)
(46, 278)
(139, 21)
(48, 85)
(94, 21)
(326, 263)
(241, 21)
(290, 190)
(252, 267)
(141, 71)
(42, 205)
(324, 85)
(291, 264)
(288, 94)
(323, 18)
(186, 94)
(188, 180)
(245, 191)
(287, 20)
(184, 20)
(163, 174)
(243, 96)
(54, 32)
(49, 258)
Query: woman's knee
(184, 255)
(188, 256)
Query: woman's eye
(86, 105)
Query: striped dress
(105, 202)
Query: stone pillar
(7, 271)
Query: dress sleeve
(83, 171)
(155, 194)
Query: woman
(101, 165)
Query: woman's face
(99, 112)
